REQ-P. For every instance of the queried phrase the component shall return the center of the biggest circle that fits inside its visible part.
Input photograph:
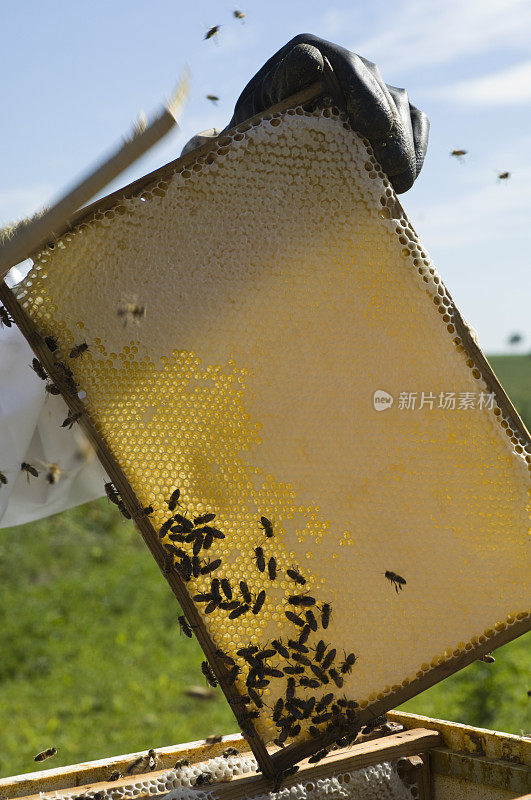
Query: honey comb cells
(283, 286)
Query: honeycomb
(278, 286)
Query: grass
(93, 664)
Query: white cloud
(416, 33)
(511, 86)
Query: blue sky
(76, 75)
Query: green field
(92, 661)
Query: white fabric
(30, 430)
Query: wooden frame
(271, 765)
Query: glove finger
(302, 66)
(420, 125)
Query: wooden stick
(29, 237)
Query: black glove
(397, 131)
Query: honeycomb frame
(463, 341)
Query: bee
(247, 652)
(78, 350)
(280, 648)
(273, 672)
(209, 675)
(131, 312)
(204, 518)
(232, 675)
(68, 375)
(213, 98)
(53, 474)
(259, 602)
(255, 697)
(296, 576)
(173, 502)
(208, 540)
(185, 627)
(115, 775)
(214, 739)
(29, 470)
(51, 388)
(504, 176)
(310, 683)
(290, 689)
(397, 580)
(226, 588)
(152, 759)
(326, 612)
(246, 594)
(458, 153)
(324, 702)
(39, 369)
(212, 31)
(3, 479)
(238, 15)
(294, 618)
(348, 663)
(301, 600)
(336, 677)
(185, 568)
(203, 778)
(320, 650)
(196, 566)
(164, 528)
(168, 564)
(272, 568)
(301, 648)
(277, 710)
(71, 419)
(241, 609)
(185, 523)
(5, 319)
(51, 343)
(317, 756)
(112, 493)
(123, 510)
(328, 660)
(286, 773)
(198, 544)
(301, 659)
(289, 670)
(51, 751)
(303, 638)
(210, 566)
(318, 672)
(267, 526)
(183, 762)
(488, 658)
(310, 620)
(260, 560)
(374, 723)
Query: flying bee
(226, 588)
(246, 594)
(210, 566)
(185, 627)
(173, 502)
(458, 153)
(230, 751)
(397, 580)
(241, 609)
(238, 15)
(213, 98)
(348, 663)
(267, 526)
(272, 568)
(209, 675)
(51, 343)
(260, 560)
(213, 31)
(301, 600)
(504, 176)
(51, 388)
(78, 350)
(131, 312)
(39, 369)
(71, 419)
(294, 618)
(3, 479)
(203, 778)
(295, 575)
(5, 319)
(51, 751)
(326, 612)
(328, 660)
(53, 474)
(214, 739)
(29, 470)
(259, 602)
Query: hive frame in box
(271, 765)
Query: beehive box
(302, 374)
